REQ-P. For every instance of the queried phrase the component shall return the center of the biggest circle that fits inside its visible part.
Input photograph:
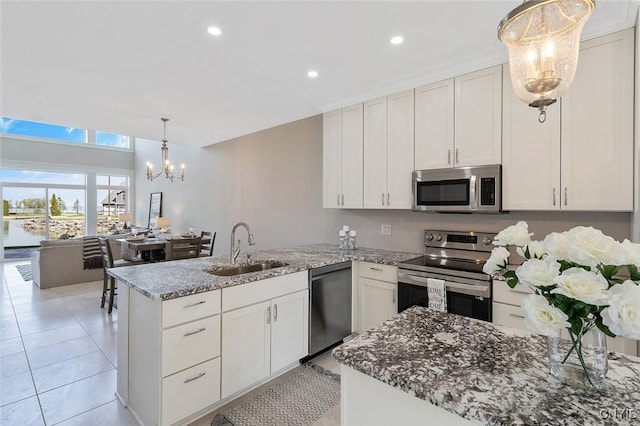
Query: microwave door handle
(473, 193)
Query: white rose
(630, 253)
(541, 317)
(590, 247)
(537, 273)
(536, 249)
(585, 286)
(514, 235)
(496, 261)
(556, 245)
(622, 316)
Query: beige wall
(273, 180)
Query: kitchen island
(190, 341)
(424, 364)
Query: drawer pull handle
(275, 312)
(191, 333)
(517, 316)
(195, 304)
(191, 379)
(376, 269)
(518, 291)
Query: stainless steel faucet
(235, 251)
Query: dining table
(147, 248)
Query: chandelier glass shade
(543, 40)
(167, 168)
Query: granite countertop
(485, 373)
(168, 280)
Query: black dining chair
(208, 240)
(109, 282)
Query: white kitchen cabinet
(264, 329)
(246, 344)
(507, 311)
(342, 157)
(597, 127)
(388, 151)
(377, 294)
(581, 158)
(169, 355)
(458, 121)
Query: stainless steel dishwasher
(329, 306)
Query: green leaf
(603, 327)
(512, 282)
(608, 271)
(633, 272)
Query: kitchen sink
(227, 271)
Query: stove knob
(438, 237)
(487, 240)
(429, 237)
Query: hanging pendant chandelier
(543, 39)
(167, 167)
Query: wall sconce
(543, 39)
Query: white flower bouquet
(574, 276)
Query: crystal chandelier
(167, 168)
(543, 39)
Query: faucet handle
(248, 258)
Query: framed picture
(155, 209)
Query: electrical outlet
(385, 230)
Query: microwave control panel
(488, 191)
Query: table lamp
(126, 218)
(162, 223)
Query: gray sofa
(59, 262)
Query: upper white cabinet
(458, 122)
(388, 151)
(581, 158)
(342, 157)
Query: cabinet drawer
(509, 315)
(190, 391)
(189, 308)
(502, 293)
(378, 272)
(190, 344)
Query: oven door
(465, 296)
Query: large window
(33, 129)
(40, 205)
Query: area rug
(25, 271)
(299, 400)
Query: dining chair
(182, 248)
(208, 240)
(109, 282)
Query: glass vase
(579, 360)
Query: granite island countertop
(487, 374)
(178, 278)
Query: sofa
(59, 263)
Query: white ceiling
(118, 66)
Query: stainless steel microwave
(458, 190)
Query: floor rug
(25, 271)
(301, 399)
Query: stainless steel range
(456, 258)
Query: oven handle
(482, 289)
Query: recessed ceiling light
(397, 40)
(214, 31)
(312, 74)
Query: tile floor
(58, 357)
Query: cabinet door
(530, 154)
(289, 329)
(245, 347)
(375, 153)
(597, 127)
(378, 302)
(331, 157)
(434, 125)
(478, 118)
(399, 154)
(352, 140)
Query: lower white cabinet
(168, 355)
(507, 311)
(377, 294)
(264, 337)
